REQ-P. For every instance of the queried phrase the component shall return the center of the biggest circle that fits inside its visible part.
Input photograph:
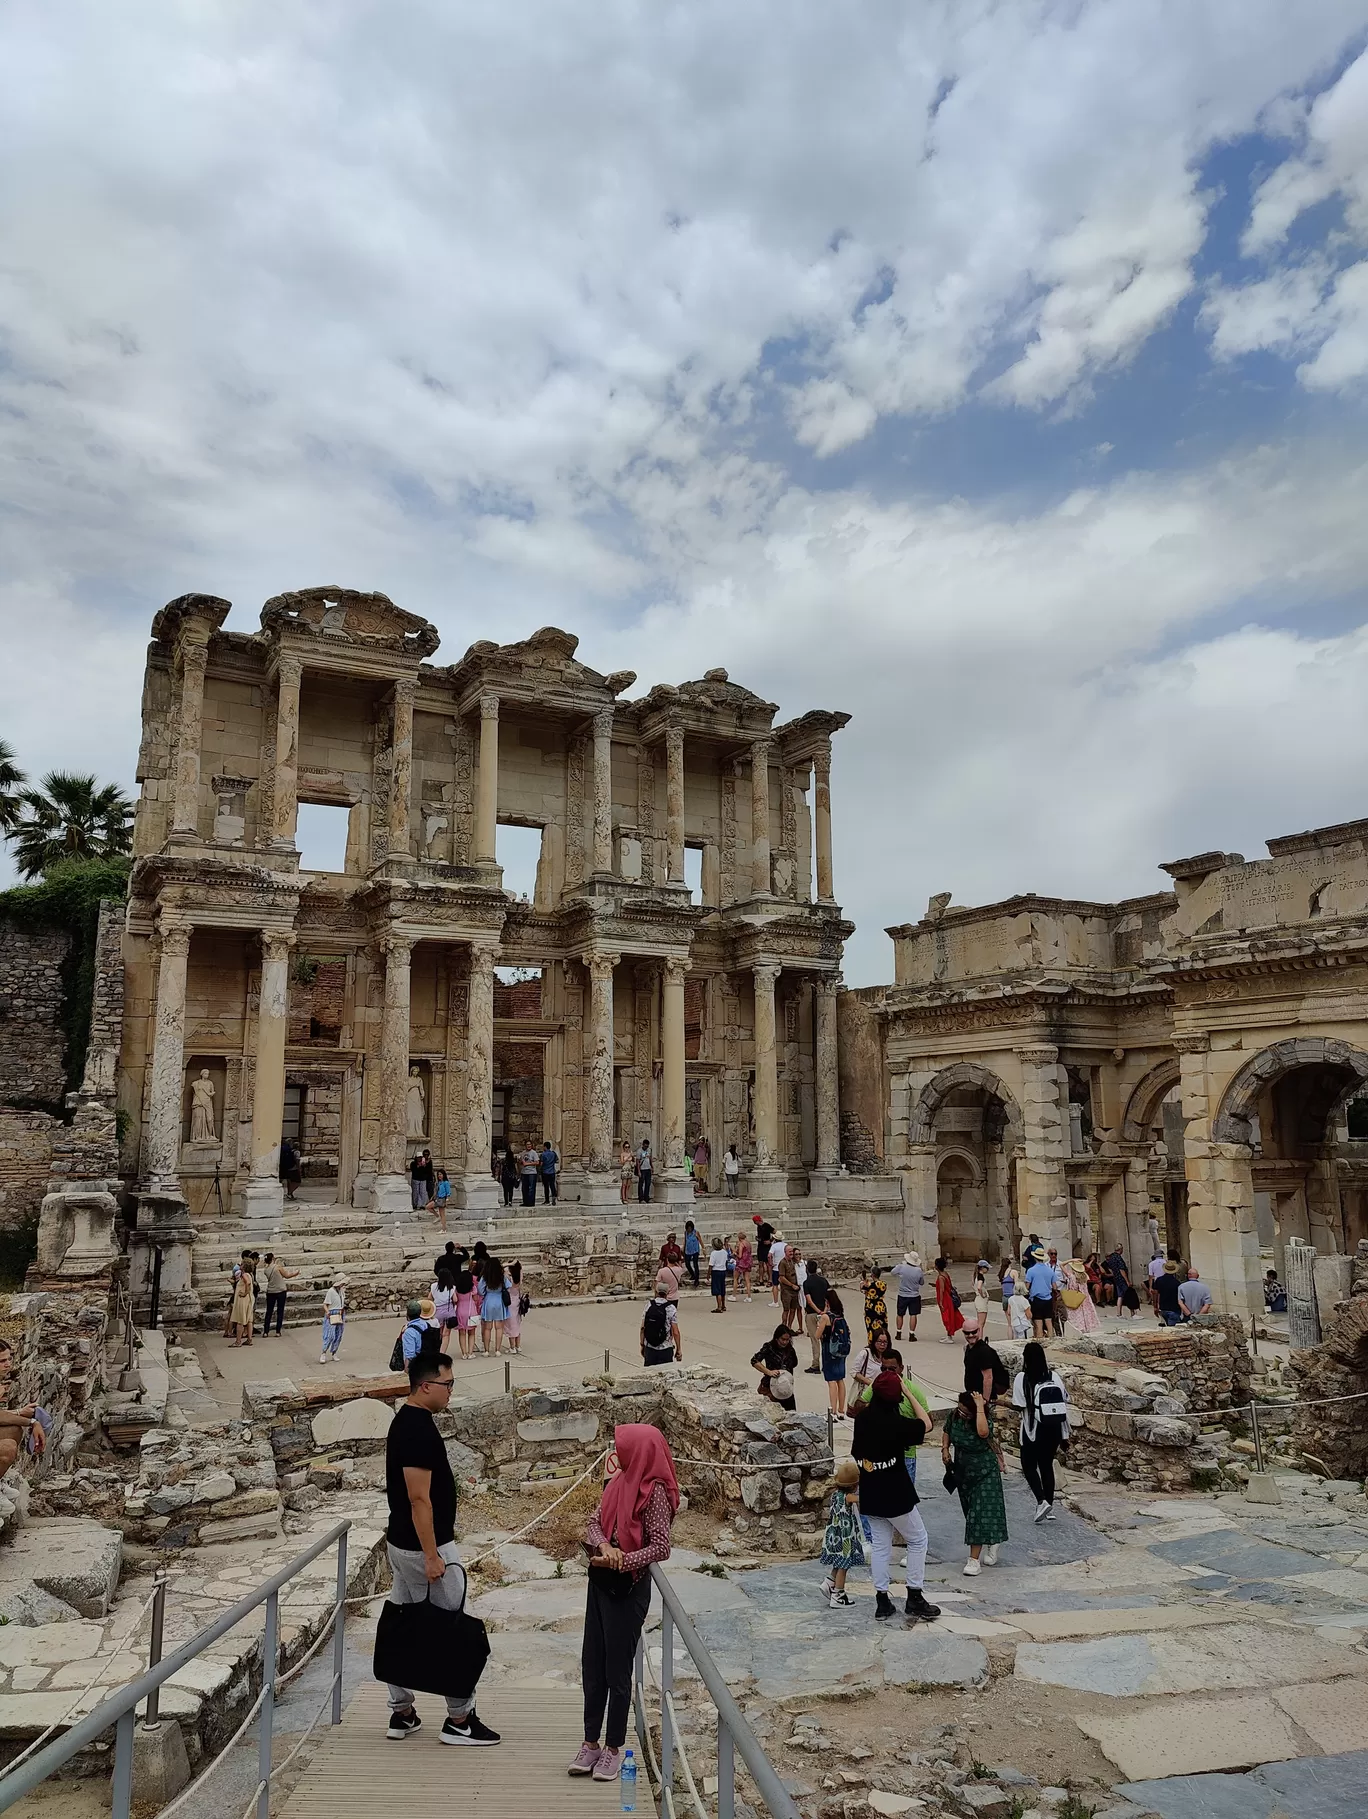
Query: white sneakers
(990, 1554)
(972, 1568)
(1043, 1510)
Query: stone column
(392, 1193)
(603, 791)
(487, 793)
(920, 1205)
(827, 1075)
(1044, 1202)
(1222, 1234)
(479, 1188)
(1303, 1313)
(674, 800)
(672, 1073)
(1137, 1214)
(766, 974)
(265, 1197)
(162, 1138)
(285, 798)
(401, 769)
(600, 1043)
(760, 818)
(189, 736)
(821, 805)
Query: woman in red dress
(947, 1301)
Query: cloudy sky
(995, 372)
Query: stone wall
(1147, 1407)
(1336, 1433)
(32, 1044)
(26, 1139)
(52, 1354)
(735, 1453)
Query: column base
(677, 1190)
(479, 1193)
(767, 1186)
(263, 1205)
(392, 1194)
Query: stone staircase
(385, 1259)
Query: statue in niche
(202, 1129)
(415, 1106)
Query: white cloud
(493, 309)
(1307, 308)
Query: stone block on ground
(927, 1657)
(242, 1528)
(361, 1419)
(1198, 1736)
(71, 1557)
(1335, 1717)
(161, 1767)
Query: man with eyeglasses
(420, 1538)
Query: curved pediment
(347, 616)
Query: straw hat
(781, 1386)
(912, 1258)
(1170, 1267)
(847, 1472)
(427, 1308)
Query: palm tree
(12, 780)
(70, 818)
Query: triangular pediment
(346, 616)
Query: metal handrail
(734, 1734)
(121, 1707)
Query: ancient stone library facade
(1191, 1065)
(407, 1000)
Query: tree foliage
(70, 818)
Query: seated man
(1275, 1295)
(15, 1423)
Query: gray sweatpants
(448, 1593)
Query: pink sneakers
(587, 1760)
(608, 1765)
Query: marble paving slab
(1192, 1737)
(1237, 1556)
(1312, 1787)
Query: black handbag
(950, 1481)
(428, 1649)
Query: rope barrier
(667, 1699)
(222, 1756)
(70, 1711)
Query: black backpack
(431, 1342)
(656, 1325)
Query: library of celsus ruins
(1186, 1068)
(409, 1001)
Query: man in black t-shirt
(420, 1537)
(815, 1286)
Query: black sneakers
(917, 1605)
(403, 1724)
(883, 1607)
(469, 1731)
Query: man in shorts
(911, 1281)
(1041, 1281)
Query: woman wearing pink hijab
(628, 1533)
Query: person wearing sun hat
(334, 1318)
(911, 1281)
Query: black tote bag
(430, 1650)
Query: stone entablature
(332, 702)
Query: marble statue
(202, 1128)
(415, 1106)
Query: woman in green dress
(968, 1440)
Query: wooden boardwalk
(355, 1773)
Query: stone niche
(206, 1150)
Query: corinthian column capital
(675, 969)
(276, 945)
(175, 939)
(601, 965)
(489, 705)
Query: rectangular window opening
(321, 836)
(292, 1117)
(693, 872)
(518, 851)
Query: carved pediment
(545, 660)
(713, 691)
(185, 609)
(345, 616)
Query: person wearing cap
(911, 1281)
(888, 1498)
(334, 1318)
(1168, 1305)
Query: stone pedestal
(160, 1765)
(263, 1207)
(76, 1232)
(163, 1224)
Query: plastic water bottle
(627, 1782)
